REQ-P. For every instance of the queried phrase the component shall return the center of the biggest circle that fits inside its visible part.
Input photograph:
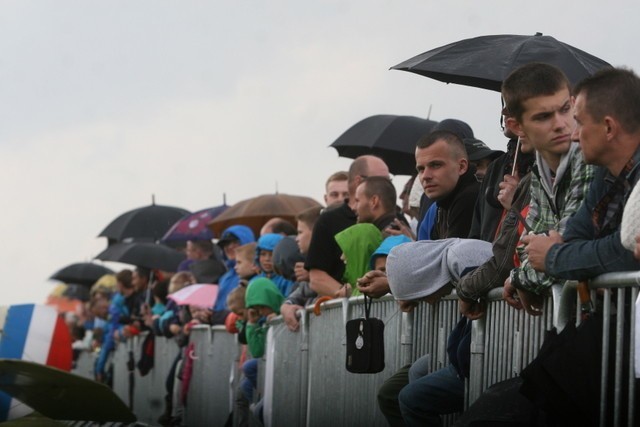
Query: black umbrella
(486, 61)
(82, 273)
(393, 138)
(60, 395)
(148, 224)
(143, 254)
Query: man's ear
(464, 166)
(514, 126)
(612, 127)
(375, 200)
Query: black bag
(365, 343)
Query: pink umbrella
(199, 295)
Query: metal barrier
(624, 286)
(148, 391)
(209, 400)
(304, 377)
(505, 340)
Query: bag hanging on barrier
(365, 343)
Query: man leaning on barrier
(607, 113)
(538, 98)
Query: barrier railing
(304, 377)
(624, 287)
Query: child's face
(380, 263)
(245, 268)
(263, 310)
(304, 237)
(265, 261)
(237, 309)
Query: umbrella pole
(515, 159)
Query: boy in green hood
(262, 302)
(357, 243)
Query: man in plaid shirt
(539, 100)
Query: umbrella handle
(192, 355)
(586, 305)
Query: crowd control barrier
(304, 381)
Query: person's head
(263, 295)
(379, 256)
(538, 99)
(440, 161)
(480, 155)
(363, 167)
(123, 282)
(181, 280)
(336, 189)
(199, 249)
(286, 255)
(100, 308)
(306, 220)
(234, 236)
(235, 300)
(278, 226)
(264, 248)
(245, 261)
(140, 278)
(375, 197)
(357, 243)
(607, 113)
(160, 291)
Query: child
(379, 257)
(262, 301)
(357, 243)
(246, 267)
(266, 245)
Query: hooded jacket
(418, 269)
(230, 279)
(386, 246)
(261, 291)
(358, 243)
(285, 256)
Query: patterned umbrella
(192, 227)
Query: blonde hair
(247, 251)
(180, 280)
(236, 297)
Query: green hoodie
(357, 243)
(261, 291)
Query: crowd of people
(546, 210)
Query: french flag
(35, 333)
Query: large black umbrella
(82, 273)
(392, 138)
(143, 254)
(148, 224)
(486, 61)
(60, 395)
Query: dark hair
(144, 272)
(284, 227)
(383, 188)
(613, 92)
(161, 290)
(453, 141)
(124, 277)
(203, 245)
(310, 216)
(529, 81)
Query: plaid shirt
(550, 208)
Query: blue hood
(268, 241)
(242, 233)
(386, 246)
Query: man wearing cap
(480, 155)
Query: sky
(104, 104)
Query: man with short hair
(607, 114)
(376, 202)
(538, 98)
(336, 188)
(278, 225)
(323, 259)
(446, 177)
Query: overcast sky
(103, 104)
